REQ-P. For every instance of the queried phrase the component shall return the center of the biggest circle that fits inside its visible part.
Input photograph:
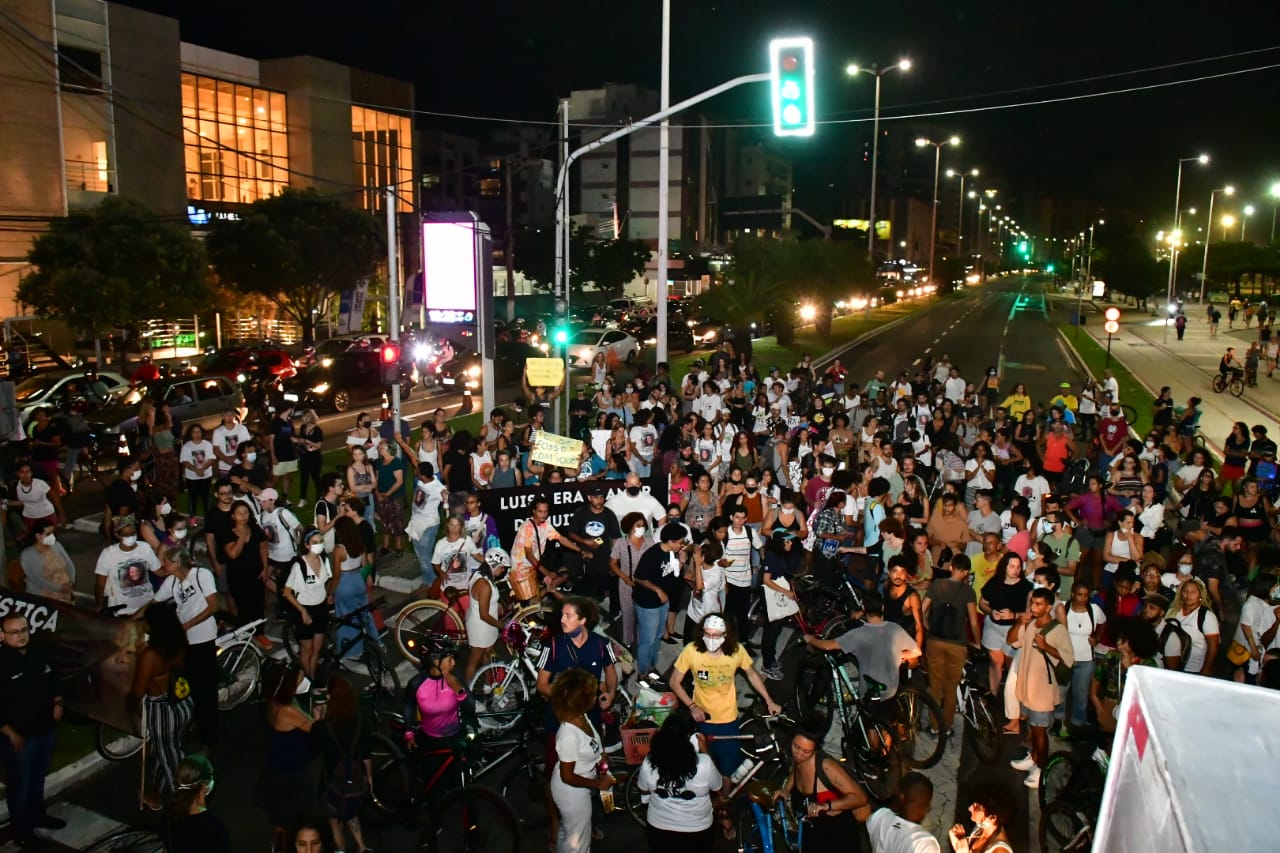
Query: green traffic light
(792, 73)
(1048, 268)
(560, 336)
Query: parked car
(53, 389)
(615, 343)
(192, 400)
(343, 380)
(239, 362)
(679, 336)
(342, 343)
(465, 370)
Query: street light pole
(1275, 195)
(937, 168)
(664, 186)
(1088, 272)
(1173, 247)
(878, 72)
(1244, 219)
(1208, 236)
(960, 216)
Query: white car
(50, 389)
(617, 345)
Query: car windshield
(333, 346)
(220, 361)
(35, 387)
(586, 339)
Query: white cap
(268, 495)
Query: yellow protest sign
(544, 372)
(557, 450)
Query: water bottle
(606, 794)
(744, 770)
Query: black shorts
(319, 621)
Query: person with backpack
(343, 740)
(1172, 641)
(1083, 619)
(1191, 612)
(1045, 661)
(163, 693)
(947, 610)
(306, 594)
(195, 592)
(283, 532)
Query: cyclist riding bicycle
(1230, 364)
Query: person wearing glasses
(30, 705)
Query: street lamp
(1088, 274)
(853, 70)
(1275, 195)
(951, 173)
(1208, 236)
(1244, 220)
(1202, 159)
(1227, 221)
(937, 166)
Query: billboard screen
(449, 271)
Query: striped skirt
(166, 722)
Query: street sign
(1111, 327)
(1112, 315)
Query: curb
(63, 778)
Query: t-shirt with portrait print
(128, 575)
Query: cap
(1064, 384)
(1157, 599)
(268, 495)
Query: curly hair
(573, 694)
(671, 751)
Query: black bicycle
(336, 652)
(1071, 786)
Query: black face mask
(633, 490)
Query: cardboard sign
(557, 450)
(511, 507)
(544, 372)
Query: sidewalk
(1188, 366)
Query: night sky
(512, 58)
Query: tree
(822, 272)
(113, 266)
(299, 249)
(1229, 262)
(1125, 263)
(606, 264)
(754, 291)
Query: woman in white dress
(482, 609)
(578, 752)
(708, 573)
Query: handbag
(1238, 655)
(777, 605)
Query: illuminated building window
(236, 140)
(382, 153)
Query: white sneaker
(1024, 764)
(1033, 778)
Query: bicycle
(128, 841)
(978, 708)
(1221, 383)
(823, 612)
(383, 677)
(1071, 787)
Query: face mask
(1151, 445)
(827, 470)
(639, 531)
(165, 508)
(316, 548)
(49, 540)
(633, 490)
(751, 490)
(128, 541)
(135, 476)
(1037, 585)
(180, 534)
(713, 644)
(251, 457)
(630, 388)
(576, 632)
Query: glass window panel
(357, 120)
(280, 145)
(226, 101)
(278, 118)
(209, 132)
(262, 142)
(261, 105)
(281, 177)
(188, 94)
(244, 105)
(208, 99)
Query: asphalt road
(1008, 323)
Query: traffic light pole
(562, 183)
(393, 299)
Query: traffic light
(1048, 268)
(389, 363)
(791, 71)
(1112, 324)
(560, 335)
(1023, 249)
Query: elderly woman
(390, 497)
(46, 565)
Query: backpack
(1173, 627)
(348, 786)
(946, 622)
(1059, 671)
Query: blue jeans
(650, 623)
(25, 771)
(425, 547)
(1081, 678)
(727, 754)
(349, 595)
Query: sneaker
(1024, 764)
(1033, 778)
(264, 641)
(773, 673)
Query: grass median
(1132, 391)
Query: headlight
(326, 362)
(473, 371)
(421, 352)
(709, 336)
(649, 342)
(240, 377)
(586, 354)
(690, 323)
(322, 388)
(544, 347)
(1173, 308)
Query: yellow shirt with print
(714, 690)
(983, 570)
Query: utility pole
(511, 245)
(393, 298)
(664, 184)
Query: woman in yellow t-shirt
(714, 658)
(1017, 403)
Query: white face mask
(165, 508)
(128, 541)
(135, 476)
(251, 457)
(713, 644)
(827, 470)
(639, 531)
(180, 534)
(316, 548)
(49, 540)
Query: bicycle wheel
(474, 819)
(115, 745)
(1064, 828)
(1236, 387)
(128, 841)
(391, 792)
(383, 677)
(501, 695)
(637, 802)
(1219, 384)
(418, 619)
(523, 785)
(983, 731)
(921, 736)
(813, 693)
(875, 758)
(837, 626)
(1055, 777)
(239, 668)
(753, 827)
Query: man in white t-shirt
(954, 387)
(644, 441)
(124, 573)
(740, 541)
(633, 499)
(194, 591)
(1033, 487)
(898, 830)
(1111, 386)
(283, 532)
(429, 495)
(227, 438)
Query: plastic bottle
(606, 794)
